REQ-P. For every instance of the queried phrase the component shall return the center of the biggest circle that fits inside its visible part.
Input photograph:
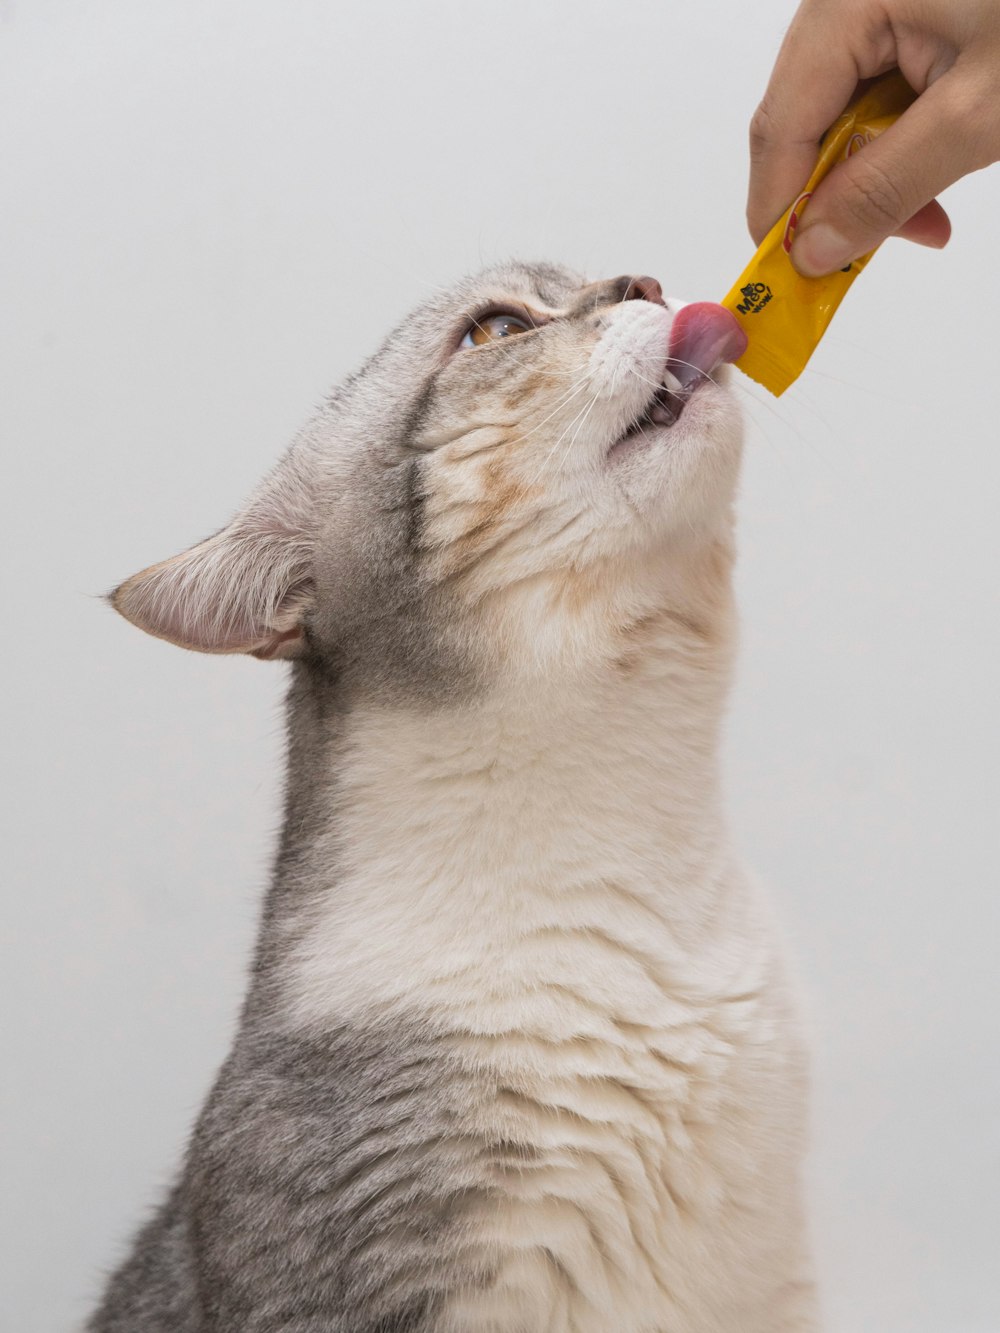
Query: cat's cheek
(686, 476)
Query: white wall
(211, 210)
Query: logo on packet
(794, 215)
(855, 143)
(755, 297)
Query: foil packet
(783, 314)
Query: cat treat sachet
(783, 314)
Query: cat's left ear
(245, 590)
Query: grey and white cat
(519, 1052)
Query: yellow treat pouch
(783, 314)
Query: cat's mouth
(665, 406)
(702, 337)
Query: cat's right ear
(247, 589)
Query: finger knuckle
(763, 130)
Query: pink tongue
(701, 336)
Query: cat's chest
(629, 1147)
(564, 924)
(607, 1073)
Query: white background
(211, 210)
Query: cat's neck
(506, 789)
(430, 841)
(421, 842)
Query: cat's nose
(643, 288)
(611, 291)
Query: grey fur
(325, 1184)
(324, 1190)
(377, 623)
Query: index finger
(814, 77)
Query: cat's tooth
(662, 414)
(671, 382)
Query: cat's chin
(656, 429)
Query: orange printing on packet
(783, 314)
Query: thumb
(873, 193)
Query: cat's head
(529, 466)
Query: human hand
(949, 53)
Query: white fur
(548, 877)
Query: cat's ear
(247, 589)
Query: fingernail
(820, 249)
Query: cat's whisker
(442, 442)
(584, 411)
(543, 464)
(580, 383)
(759, 401)
(560, 406)
(738, 384)
(564, 402)
(576, 434)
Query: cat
(519, 1050)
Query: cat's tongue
(701, 336)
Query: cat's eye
(491, 328)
